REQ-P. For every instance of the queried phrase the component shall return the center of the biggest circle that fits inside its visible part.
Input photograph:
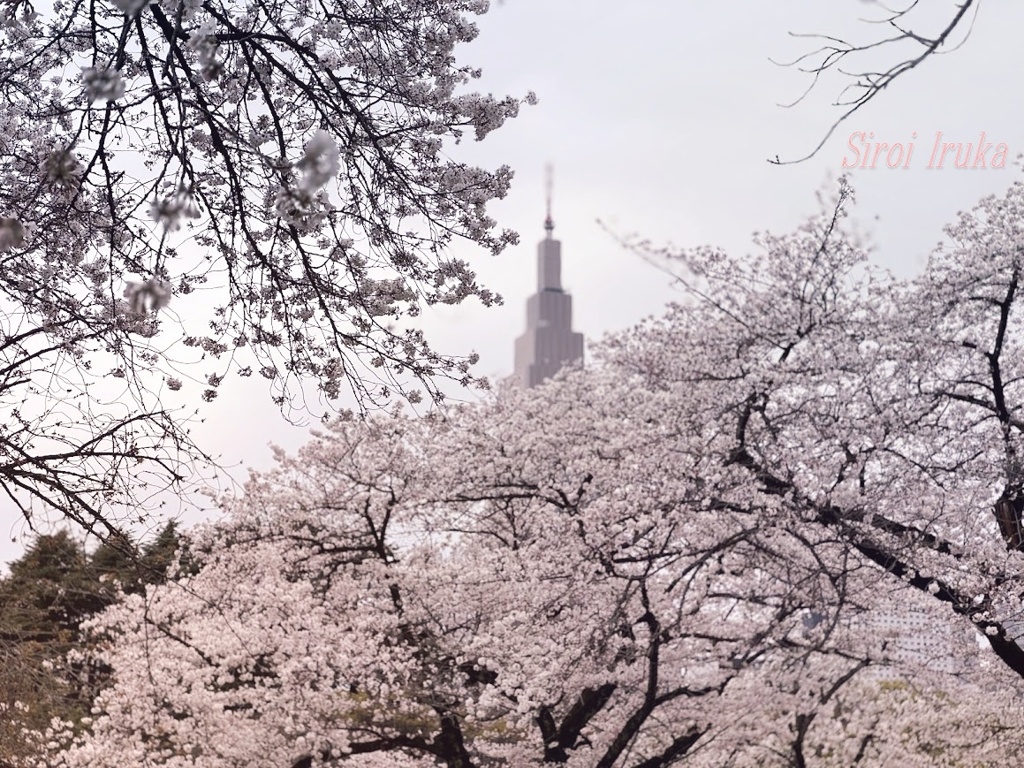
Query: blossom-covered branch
(193, 190)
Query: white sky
(659, 120)
(659, 117)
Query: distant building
(916, 639)
(904, 635)
(912, 633)
(549, 341)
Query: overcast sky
(659, 117)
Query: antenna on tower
(549, 223)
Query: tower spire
(549, 223)
(549, 341)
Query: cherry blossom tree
(685, 554)
(910, 36)
(193, 190)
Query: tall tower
(549, 341)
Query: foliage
(274, 181)
(50, 590)
(686, 554)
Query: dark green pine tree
(42, 602)
(49, 592)
(163, 552)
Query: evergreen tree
(50, 591)
(163, 552)
(42, 603)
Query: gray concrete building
(549, 341)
